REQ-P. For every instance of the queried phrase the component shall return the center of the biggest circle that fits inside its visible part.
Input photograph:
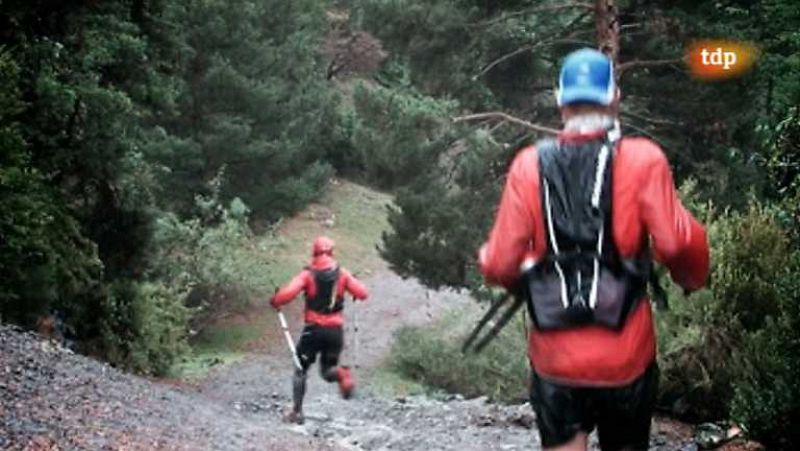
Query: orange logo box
(720, 59)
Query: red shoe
(346, 384)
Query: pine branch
(647, 63)
(505, 57)
(569, 39)
(651, 120)
(499, 115)
(524, 49)
(535, 9)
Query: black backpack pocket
(613, 301)
(616, 296)
(618, 292)
(543, 292)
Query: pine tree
(253, 99)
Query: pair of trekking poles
(293, 350)
(659, 296)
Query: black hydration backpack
(581, 278)
(326, 300)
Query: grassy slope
(359, 217)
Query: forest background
(142, 142)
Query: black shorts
(326, 341)
(621, 414)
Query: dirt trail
(52, 399)
(260, 387)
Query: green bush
(398, 133)
(432, 356)
(732, 349)
(700, 334)
(766, 394)
(198, 266)
(213, 257)
(144, 326)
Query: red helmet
(322, 245)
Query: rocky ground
(53, 399)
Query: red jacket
(304, 281)
(644, 201)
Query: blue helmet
(587, 76)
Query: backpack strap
(328, 302)
(604, 158)
(546, 149)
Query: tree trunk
(606, 19)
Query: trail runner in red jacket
(324, 284)
(581, 218)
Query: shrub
(212, 257)
(698, 336)
(197, 267)
(432, 356)
(732, 349)
(766, 394)
(397, 133)
(144, 326)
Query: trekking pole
(289, 341)
(496, 304)
(507, 315)
(355, 335)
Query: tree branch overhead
(499, 115)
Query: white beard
(590, 122)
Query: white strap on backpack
(612, 137)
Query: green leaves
(398, 133)
(254, 100)
(130, 110)
(43, 255)
(748, 314)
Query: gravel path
(261, 387)
(52, 399)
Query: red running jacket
(644, 201)
(304, 281)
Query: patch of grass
(353, 215)
(219, 345)
(432, 356)
(225, 342)
(197, 364)
(386, 383)
(229, 338)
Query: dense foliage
(141, 139)
(736, 139)
(720, 346)
(115, 117)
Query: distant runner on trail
(578, 219)
(324, 284)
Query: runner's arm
(509, 240)
(354, 286)
(290, 290)
(679, 240)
